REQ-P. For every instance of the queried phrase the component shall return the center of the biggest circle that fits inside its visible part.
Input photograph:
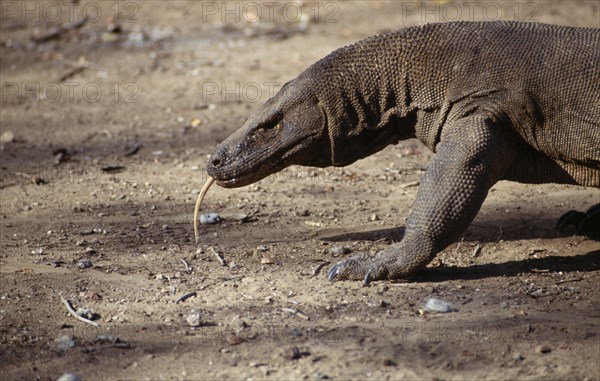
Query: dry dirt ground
(175, 78)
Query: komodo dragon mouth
(241, 173)
(246, 174)
(268, 167)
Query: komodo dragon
(494, 100)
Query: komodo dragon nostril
(216, 162)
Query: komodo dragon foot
(586, 223)
(366, 268)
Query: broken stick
(75, 315)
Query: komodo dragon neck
(367, 91)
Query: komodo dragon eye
(267, 130)
(270, 126)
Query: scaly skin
(495, 101)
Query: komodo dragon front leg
(473, 154)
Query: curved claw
(333, 272)
(359, 267)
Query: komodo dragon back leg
(473, 154)
(586, 223)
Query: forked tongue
(199, 202)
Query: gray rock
(84, 263)
(69, 377)
(85, 313)
(193, 319)
(210, 219)
(340, 250)
(65, 342)
(438, 305)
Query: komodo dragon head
(290, 128)
(308, 122)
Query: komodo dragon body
(494, 100)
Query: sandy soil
(174, 79)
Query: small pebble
(107, 339)
(543, 349)
(84, 263)
(93, 295)
(233, 339)
(65, 342)
(85, 313)
(340, 250)
(242, 218)
(389, 362)
(239, 324)
(292, 353)
(69, 377)
(438, 305)
(518, 357)
(193, 319)
(7, 137)
(320, 376)
(267, 261)
(210, 219)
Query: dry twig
(188, 268)
(74, 71)
(296, 312)
(72, 312)
(185, 297)
(57, 32)
(218, 256)
(318, 268)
